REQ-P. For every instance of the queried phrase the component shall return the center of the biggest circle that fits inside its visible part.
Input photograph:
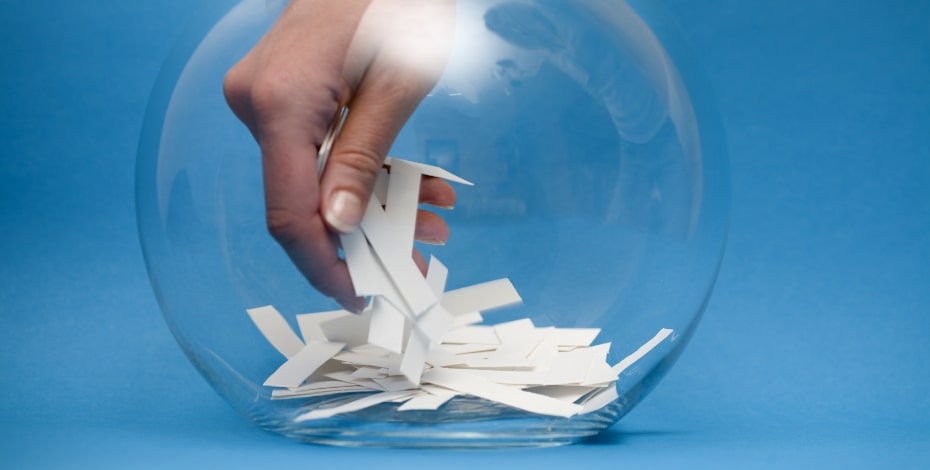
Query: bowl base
(463, 422)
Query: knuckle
(269, 92)
(236, 91)
(363, 162)
(283, 225)
(235, 84)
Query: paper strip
(566, 393)
(400, 208)
(349, 329)
(394, 383)
(301, 365)
(570, 367)
(471, 335)
(347, 377)
(599, 371)
(642, 351)
(373, 277)
(356, 405)
(436, 275)
(286, 394)
(466, 319)
(309, 323)
(369, 373)
(442, 358)
(481, 388)
(363, 268)
(379, 193)
(481, 297)
(575, 336)
(381, 362)
(387, 326)
(276, 330)
(435, 323)
(411, 366)
(435, 398)
(600, 400)
(401, 269)
(521, 378)
(430, 170)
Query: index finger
(292, 202)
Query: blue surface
(813, 351)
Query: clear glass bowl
(601, 192)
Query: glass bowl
(600, 192)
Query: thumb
(379, 111)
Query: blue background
(813, 352)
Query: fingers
(431, 229)
(289, 125)
(395, 58)
(291, 205)
(287, 102)
(381, 106)
(437, 192)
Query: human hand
(379, 57)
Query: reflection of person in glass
(380, 58)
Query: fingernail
(432, 241)
(344, 212)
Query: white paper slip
(430, 170)
(575, 336)
(276, 330)
(570, 367)
(499, 362)
(370, 384)
(439, 357)
(400, 208)
(435, 323)
(350, 329)
(363, 267)
(417, 346)
(387, 326)
(545, 352)
(481, 297)
(600, 400)
(411, 366)
(309, 323)
(379, 192)
(381, 362)
(301, 365)
(394, 383)
(476, 334)
(466, 319)
(321, 388)
(426, 402)
(521, 378)
(482, 388)
(400, 267)
(369, 373)
(436, 276)
(466, 348)
(355, 405)
(514, 330)
(285, 394)
(642, 351)
(566, 393)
